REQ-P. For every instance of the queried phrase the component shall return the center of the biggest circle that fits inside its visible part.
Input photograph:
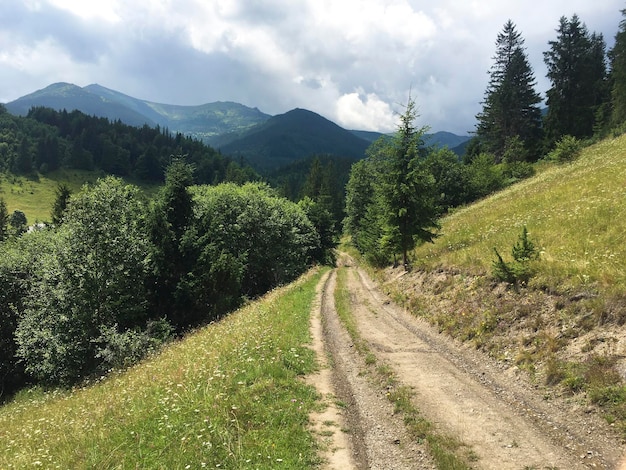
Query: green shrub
(121, 349)
(93, 275)
(519, 271)
(514, 171)
(20, 263)
(567, 149)
(484, 176)
(524, 250)
(269, 239)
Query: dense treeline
(396, 193)
(585, 101)
(318, 183)
(586, 98)
(120, 274)
(46, 140)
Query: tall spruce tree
(62, 198)
(170, 218)
(408, 189)
(577, 69)
(618, 75)
(510, 108)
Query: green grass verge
(448, 452)
(228, 395)
(575, 214)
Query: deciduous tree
(93, 278)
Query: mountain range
(202, 121)
(266, 142)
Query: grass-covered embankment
(575, 213)
(228, 395)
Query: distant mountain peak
(267, 141)
(294, 135)
(202, 122)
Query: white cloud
(368, 113)
(353, 61)
(44, 58)
(101, 9)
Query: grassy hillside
(228, 395)
(575, 213)
(35, 196)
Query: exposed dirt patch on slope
(517, 327)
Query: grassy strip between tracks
(447, 452)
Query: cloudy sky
(352, 61)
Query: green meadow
(35, 195)
(575, 213)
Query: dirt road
(498, 415)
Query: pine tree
(4, 220)
(618, 75)
(577, 70)
(510, 107)
(168, 222)
(408, 189)
(63, 193)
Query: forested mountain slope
(294, 135)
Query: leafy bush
(514, 150)
(269, 237)
(515, 171)
(567, 149)
(20, 265)
(92, 277)
(484, 177)
(121, 349)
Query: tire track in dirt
(465, 394)
(377, 437)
